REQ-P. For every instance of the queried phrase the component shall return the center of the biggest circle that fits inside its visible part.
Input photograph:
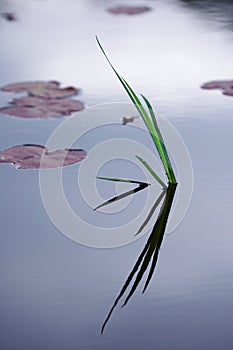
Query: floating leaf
(49, 89)
(126, 120)
(46, 92)
(122, 180)
(218, 84)
(34, 107)
(29, 85)
(36, 156)
(225, 85)
(228, 92)
(128, 10)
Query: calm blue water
(55, 293)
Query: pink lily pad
(225, 85)
(46, 92)
(28, 85)
(228, 92)
(42, 89)
(128, 10)
(38, 157)
(35, 107)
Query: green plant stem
(149, 120)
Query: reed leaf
(149, 120)
(122, 180)
(148, 167)
(165, 159)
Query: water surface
(54, 293)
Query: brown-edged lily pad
(128, 10)
(28, 85)
(42, 89)
(54, 93)
(37, 156)
(35, 107)
(225, 85)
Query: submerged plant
(151, 124)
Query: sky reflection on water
(54, 293)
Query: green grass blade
(151, 171)
(131, 94)
(140, 108)
(121, 180)
(154, 131)
(151, 112)
(149, 120)
(166, 158)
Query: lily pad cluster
(128, 10)
(44, 100)
(225, 85)
(31, 156)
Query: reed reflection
(147, 260)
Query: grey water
(55, 293)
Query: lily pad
(128, 10)
(42, 89)
(36, 156)
(225, 85)
(54, 92)
(35, 107)
(228, 92)
(28, 85)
